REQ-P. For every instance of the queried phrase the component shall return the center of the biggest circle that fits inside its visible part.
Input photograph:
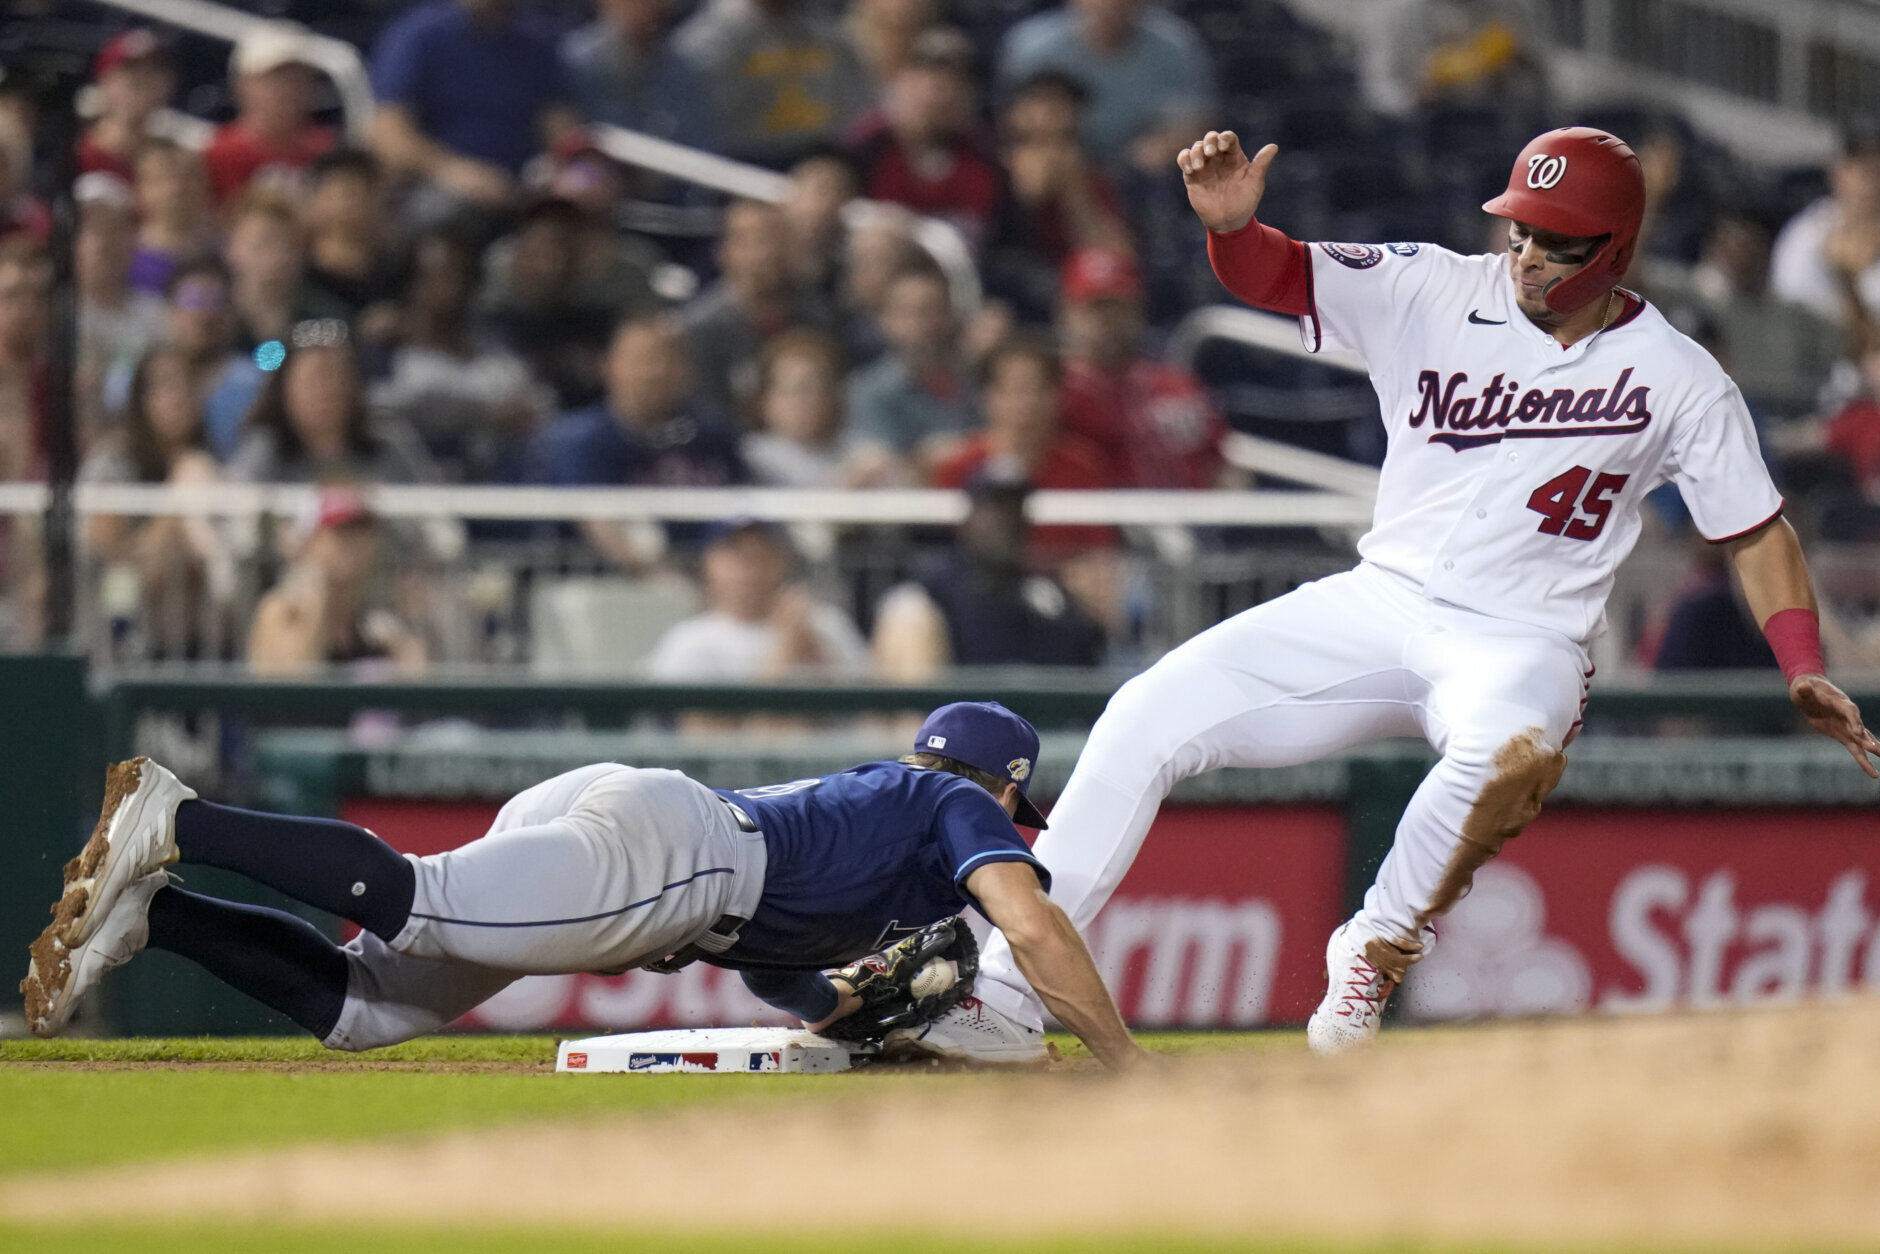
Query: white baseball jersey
(1516, 468)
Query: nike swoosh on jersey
(1480, 321)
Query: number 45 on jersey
(1565, 512)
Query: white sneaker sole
(55, 985)
(108, 864)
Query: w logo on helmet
(1545, 171)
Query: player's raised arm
(1224, 187)
(1053, 958)
(1775, 579)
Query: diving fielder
(605, 869)
(1530, 405)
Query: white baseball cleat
(136, 834)
(1356, 990)
(971, 1032)
(59, 977)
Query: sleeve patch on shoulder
(1403, 250)
(1356, 256)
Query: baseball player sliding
(605, 868)
(1530, 405)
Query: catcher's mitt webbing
(884, 982)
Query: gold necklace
(1606, 319)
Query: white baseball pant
(1353, 658)
(599, 869)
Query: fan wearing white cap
(273, 136)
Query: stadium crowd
(477, 293)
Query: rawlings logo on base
(577, 1062)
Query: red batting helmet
(1579, 181)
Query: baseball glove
(885, 982)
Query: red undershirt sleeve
(1264, 267)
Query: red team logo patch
(1357, 256)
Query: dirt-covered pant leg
(1318, 670)
(1501, 703)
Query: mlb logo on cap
(986, 735)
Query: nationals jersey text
(1515, 467)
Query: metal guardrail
(914, 506)
(335, 58)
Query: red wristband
(1795, 636)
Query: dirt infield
(1741, 1128)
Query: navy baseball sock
(330, 865)
(281, 961)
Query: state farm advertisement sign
(1625, 910)
(1221, 923)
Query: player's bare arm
(1224, 186)
(1053, 958)
(1775, 581)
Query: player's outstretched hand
(1223, 185)
(1834, 713)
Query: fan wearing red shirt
(1154, 422)
(273, 128)
(918, 150)
(134, 75)
(1022, 440)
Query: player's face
(1537, 260)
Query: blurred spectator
(21, 212)
(468, 91)
(116, 323)
(174, 223)
(821, 184)
(25, 335)
(911, 408)
(1848, 438)
(25, 281)
(199, 319)
(979, 605)
(783, 78)
(1057, 200)
(267, 261)
(758, 622)
(881, 31)
(622, 70)
(755, 298)
(1150, 79)
(273, 136)
(177, 561)
(555, 289)
(352, 255)
(1709, 627)
(331, 606)
(874, 251)
(1022, 441)
(1829, 253)
(649, 429)
(1776, 351)
(919, 150)
(798, 442)
(310, 423)
(472, 401)
(1152, 421)
(135, 75)
(1417, 53)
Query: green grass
(56, 1117)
